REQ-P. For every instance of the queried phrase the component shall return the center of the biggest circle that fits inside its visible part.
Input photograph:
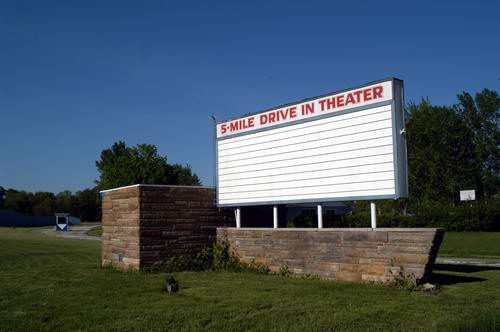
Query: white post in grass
(320, 216)
(373, 210)
(275, 216)
(238, 217)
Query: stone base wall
(377, 255)
(120, 228)
(144, 225)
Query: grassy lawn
(54, 284)
(471, 244)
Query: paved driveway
(75, 232)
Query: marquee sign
(347, 145)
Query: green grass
(95, 231)
(471, 244)
(54, 284)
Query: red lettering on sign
(237, 125)
(350, 99)
(357, 94)
(281, 114)
(367, 94)
(377, 91)
(272, 117)
(330, 103)
(347, 99)
(340, 101)
(263, 119)
(322, 104)
(307, 108)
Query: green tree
(66, 202)
(20, 201)
(441, 158)
(183, 175)
(45, 207)
(88, 205)
(44, 203)
(141, 164)
(2, 197)
(482, 116)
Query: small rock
(171, 284)
(429, 287)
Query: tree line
(119, 165)
(84, 204)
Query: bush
(464, 216)
(178, 264)
(214, 258)
(284, 271)
(307, 219)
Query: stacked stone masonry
(379, 255)
(144, 225)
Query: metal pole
(214, 143)
(320, 216)
(238, 217)
(275, 216)
(373, 210)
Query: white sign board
(467, 195)
(342, 146)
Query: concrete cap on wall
(154, 185)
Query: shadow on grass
(451, 279)
(464, 268)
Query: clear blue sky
(76, 76)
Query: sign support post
(320, 216)
(238, 217)
(373, 211)
(275, 216)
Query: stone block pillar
(144, 225)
